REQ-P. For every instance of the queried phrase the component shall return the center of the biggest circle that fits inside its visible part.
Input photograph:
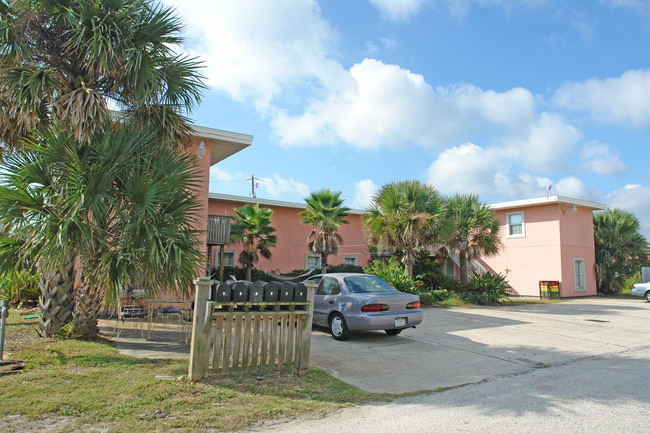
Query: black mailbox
(224, 293)
(272, 291)
(300, 293)
(213, 291)
(240, 291)
(256, 292)
(286, 294)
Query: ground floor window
(312, 261)
(350, 260)
(579, 274)
(228, 258)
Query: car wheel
(338, 327)
(647, 296)
(393, 331)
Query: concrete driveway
(459, 346)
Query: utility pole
(253, 185)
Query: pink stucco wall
(291, 247)
(202, 192)
(553, 237)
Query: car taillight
(375, 307)
(413, 305)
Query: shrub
(629, 282)
(486, 289)
(20, 287)
(392, 271)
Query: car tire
(393, 331)
(647, 296)
(338, 327)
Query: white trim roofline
(540, 201)
(267, 202)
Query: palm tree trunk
(249, 273)
(323, 263)
(56, 302)
(87, 303)
(463, 268)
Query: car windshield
(367, 284)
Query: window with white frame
(312, 261)
(228, 258)
(515, 224)
(579, 276)
(350, 260)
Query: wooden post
(200, 346)
(305, 343)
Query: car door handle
(331, 302)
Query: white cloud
(398, 10)
(464, 169)
(254, 50)
(623, 100)
(278, 186)
(575, 188)
(217, 174)
(600, 159)
(364, 190)
(635, 199)
(543, 144)
(384, 104)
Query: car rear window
(367, 284)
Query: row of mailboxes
(258, 292)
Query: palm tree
(71, 59)
(68, 61)
(476, 231)
(620, 248)
(122, 204)
(325, 213)
(252, 227)
(406, 217)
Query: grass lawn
(72, 385)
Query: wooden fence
(240, 336)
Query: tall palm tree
(405, 217)
(121, 203)
(326, 213)
(69, 61)
(252, 227)
(620, 248)
(476, 231)
(73, 59)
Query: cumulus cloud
(619, 100)
(278, 186)
(600, 159)
(575, 188)
(254, 50)
(383, 104)
(635, 199)
(364, 190)
(543, 143)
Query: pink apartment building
(547, 239)
(544, 239)
(291, 250)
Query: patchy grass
(89, 386)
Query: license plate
(400, 322)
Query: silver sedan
(347, 302)
(641, 289)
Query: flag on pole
(548, 190)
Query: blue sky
(501, 98)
